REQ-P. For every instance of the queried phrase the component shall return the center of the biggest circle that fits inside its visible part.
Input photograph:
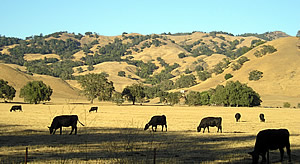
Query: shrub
(203, 75)
(121, 73)
(228, 76)
(286, 105)
(255, 75)
(181, 55)
(266, 49)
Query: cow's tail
(80, 123)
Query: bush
(255, 75)
(185, 81)
(286, 105)
(203, 75)
(228, 76)
(181, 55)
(121, 73)
(266, 49)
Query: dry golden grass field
(115, 134)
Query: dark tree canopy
(96, 86)
(134, 93)
(36, 91)
(7, 92)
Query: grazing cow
(64, 121)
(262, 117)
(237, 117)
(157, 120)
(94, 108)
(271, 139)
(210, 121)
(16, 107)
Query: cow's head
(198, 129)
(255, 157)
(50, 129)
(146, 126)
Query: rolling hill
(278, 84)
(281, 74)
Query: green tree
(203, 75)
(255, 75)
(185, 81)
(96, 86)
(134, 93)
(228, 76)
(117, 98)
(36, 91)
(122, 73)
(219, 96)
(193, 98)
(173, 98)
(7, 92)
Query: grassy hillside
(62, 91)
(67, 55)
(280, 79)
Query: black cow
(64, 121)
(16, 107)
(237, 117)
(210, 121)
(262, 117)
(94, 108)
(157, 120)
(271, 139)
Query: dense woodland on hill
(124, 48)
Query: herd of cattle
(269, 139)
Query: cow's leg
(72, 130)
(204, 129)
(281, 154)
(288, 150)
(208, 129)
(162, 128)
(263, 155)
(155, 127)
(75, 130)
(60, 130)
(166, 127)
(152, 128)
(54, 131)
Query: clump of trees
(7, 92)
(185, 81)
(255, 75)
(36, 91)
(266, 49)
(134, 93)
(232, 94)
(96, 86)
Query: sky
(23, 18)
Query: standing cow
(210, 121)
(271, 139)
(94, 108)
(15, 108)
(64, 121)
(237, 117)
(262, 117)
(157, 120)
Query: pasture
(115, 134)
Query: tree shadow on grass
(129, 145)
